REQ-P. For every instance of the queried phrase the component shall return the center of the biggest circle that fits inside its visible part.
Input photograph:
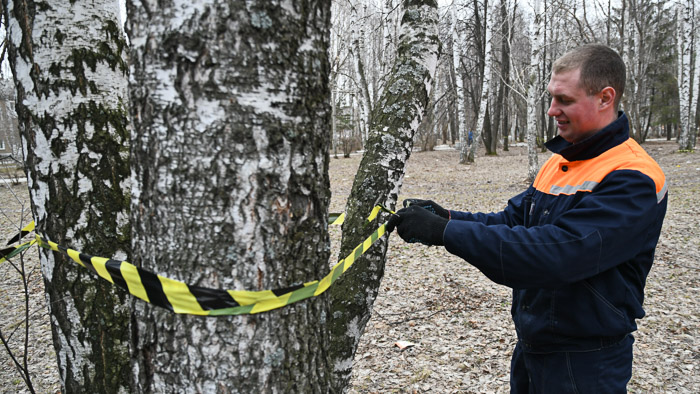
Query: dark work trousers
(606, 370)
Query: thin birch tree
(534, 93)
(686, 53)
(489, 12)
(358, 52)
(394, 121)
(501, 111)
(457, 43)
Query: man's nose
(553, 109)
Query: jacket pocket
(603, 299)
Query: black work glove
(430, 205)
(417, 224)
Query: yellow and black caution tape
(181, 298)
(12, 251)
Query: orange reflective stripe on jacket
(560, 176)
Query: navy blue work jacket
(577, 245)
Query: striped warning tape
(12, 251)
(181, 298)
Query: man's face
(578, 114)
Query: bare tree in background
(534, 92)
(457, 44)
(686, 32)
(485, 84)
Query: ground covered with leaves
(457, 320)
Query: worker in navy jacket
(576, 247)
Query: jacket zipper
(529, 209)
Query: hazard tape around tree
(12, 251)
(182, 298)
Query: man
(577, 245)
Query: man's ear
(607, 97)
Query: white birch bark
(685, 16)
(485, 87)
(334, 128)
(695, 79)
(391, 16)
(70, 73)
(10, 143)
(384, 54)
(629, 54)
(358, 53)
(338, 57)
(459, 82)
(231, 188)
(395, 120)
(435, 95)
(534, 90)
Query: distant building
(10, 144)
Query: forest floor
(458, 320)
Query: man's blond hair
(600, 67)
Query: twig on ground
(396, 323)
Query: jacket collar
(610, 136)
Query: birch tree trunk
(458, 81)
(685, 32)
(390, 39)
(500, 112)
(551, 12)
(629, 52)
(70, 73)
(485, 85)
(231, 188)
(533, 93)
(358, 51)
(334, 127)
(436, 102)
(694, 80)
(452, 106)
(394, 121)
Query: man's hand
(417, 224)
(430, 205)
